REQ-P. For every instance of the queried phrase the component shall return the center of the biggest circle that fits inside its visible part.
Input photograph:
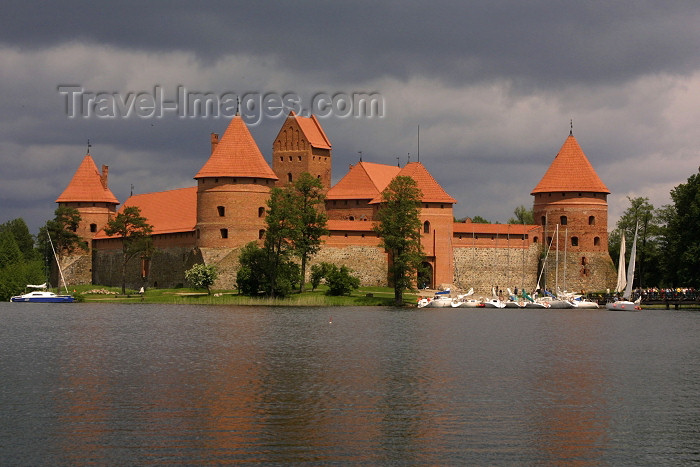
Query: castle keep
(210, 222)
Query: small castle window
(574, 241)
(93, 227)
(591, 220)
(299, 158)
(221, 210)
(584, 261)
(596, 241)
(351, 218)
(290, 158)
(549, 240)
(261, 234)
(289, 177)
(224, 233)
(426, 227)
(535, 239)
(563, 220)
(281, 158)
(544, 220)
(261, 211)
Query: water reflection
(189, 385)
(571, 421)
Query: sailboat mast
(57, 263)
(630, 267)
(556, 264)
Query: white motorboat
(41, 296)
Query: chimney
(103, 177)
(214, 141)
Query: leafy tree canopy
(399, 228)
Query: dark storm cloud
(535, 43)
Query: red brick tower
(88, 192)
(571, 206)
(302, 146)
(233, 187)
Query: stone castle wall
(485, 268)
(369, 263)
(576, 273)
(166, 268)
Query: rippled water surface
(156, 384)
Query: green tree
(62, 229)
(683, 234)
(522, 215)
(16, 271)
(9, 250)
(278, 241)
(260, 271)
(25, 240)
(135, 232)
(202, 276)
(399, 228)
(340, 280)
(308, 219)
(640, 211)
(480, 220)
(318, 272)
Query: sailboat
(626, 283)
(41, 295)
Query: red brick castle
(210, 222)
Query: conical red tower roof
(432, 191)
(570, 171)
(87, 185)
(236, 155)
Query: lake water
(156, 384)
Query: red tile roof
(570, 171)
(500, 229)
(236, 155)
(364, 180)
(432, 191)
(167, 211)
(349, 226)
(313, 131)
(86, 185)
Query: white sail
(630, 269)
(621, 281)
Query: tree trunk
(124, 260)
(303, 274)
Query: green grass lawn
(364, 296)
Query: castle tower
(302, 146)
(88, 192)
(233, 187)
(571, 206)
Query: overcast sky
(493, 86)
